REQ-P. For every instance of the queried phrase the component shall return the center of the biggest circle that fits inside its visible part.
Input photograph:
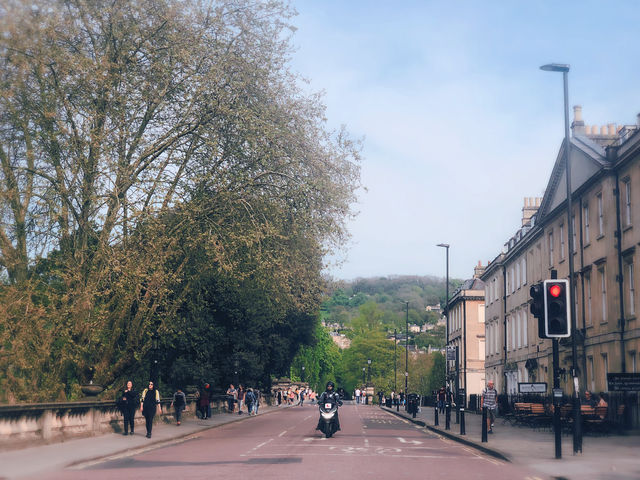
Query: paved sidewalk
(31, 461)
(612, 457)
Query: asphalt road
(285, 444)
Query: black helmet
(330, 384)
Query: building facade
(467, 334)
(605, 178)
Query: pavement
(31, 461)
(603, 457)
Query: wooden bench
(521, 412)
(539, 416)
(596, 421)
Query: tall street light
(406, 355)
(446, 313)
(395, 360)
(577, 433)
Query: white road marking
(282, 433)
(261, 445)
(414, 442)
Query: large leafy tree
(162, 181)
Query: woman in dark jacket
(203, 402)
(128, 403)
(150, 403)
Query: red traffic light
(555, 290)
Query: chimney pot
(603, 130)
(612, 129)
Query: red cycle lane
(285, 444)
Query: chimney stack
(478, 271)
(577, 127)
(531, 205)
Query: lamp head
(555, 67)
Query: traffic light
(536, 291)
(557, 309)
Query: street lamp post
(363, 375)
(368, 371)
(446, 313)
(406, 356)
(302, 376)
(395, 360)
(577, 429)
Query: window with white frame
(524, 270)
(562, 242)
(517, 282)
(603, 292)
(585, 216)
(481, 313)
(550, 248)
(631, 292)
(634, 365)
(525, 328)
(600, 215)
(481, 352)
(592, 373)
(587, 294)
(518, 330)
(627, 202)
(512, 319)
(574, 241)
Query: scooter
(328, 412)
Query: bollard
(462, 428)
(447, 417)
(484, 424)
(435, 418)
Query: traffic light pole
(557, 396)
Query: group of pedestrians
(295, 396)
(129, 401)
(249, 398)
(149, 403)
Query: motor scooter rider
(330, 395)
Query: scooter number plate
(327, 406)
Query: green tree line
(168, 194)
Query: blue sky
(459, 124)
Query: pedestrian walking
(232, 394)
(357, 394)
(128, 404)
(279, 397)
(256, 403)
(442, 399)
(178, 403)
(301, 397)
(150, 404)
(203, 402)
(240, 398)
(249, 399)
(490, 401)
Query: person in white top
(358, 393)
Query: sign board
(557, 393)
(538, 387)
(451, 353)
(623, 382)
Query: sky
(458, 122)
